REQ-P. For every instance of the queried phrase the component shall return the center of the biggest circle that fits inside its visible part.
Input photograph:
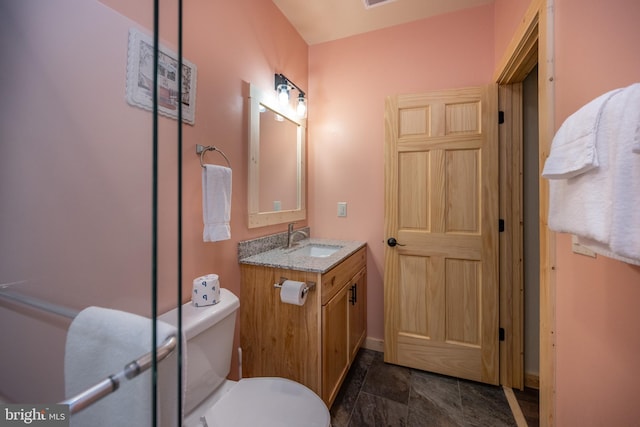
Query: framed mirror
(276, 162)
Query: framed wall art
(140, 79)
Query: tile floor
(379, 394)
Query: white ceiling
(319, 21)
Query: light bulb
(283, 95)
(302, 106)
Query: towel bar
(110, 384)
(40, 304)
(201, 149)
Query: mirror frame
(262, 219)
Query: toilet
(213, 401)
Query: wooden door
(441, 205)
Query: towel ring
(201, 149)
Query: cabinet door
(357, 312)
(335, 350)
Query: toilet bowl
(212, 400)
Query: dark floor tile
(375, 411)
(388, 381)
(380, 394)
(434, 401)
(365, 357)
(348, 394)
(529, 402)
(485, 406)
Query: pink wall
(508, 16)
(75, 163)
(348, 82)
(597, 312)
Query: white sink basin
(317, 251)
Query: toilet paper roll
(292, 292)
(206, 290)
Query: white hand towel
(573, 149)
(216, 202)
(100, 342)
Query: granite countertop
(287, 258)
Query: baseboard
(532, 381)
(375, 344)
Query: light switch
(342, 208)
(277, 205)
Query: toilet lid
(268, 402)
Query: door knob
(393, 242)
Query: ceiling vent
(368, 4)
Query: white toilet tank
(209, 334)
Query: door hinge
(501, 334)
(500, 117)
(501, 225)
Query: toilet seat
(268, 402)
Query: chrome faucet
(291, 234)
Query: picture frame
(139, 86)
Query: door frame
(533, 42)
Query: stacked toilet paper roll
(293, 292)
(206, 290)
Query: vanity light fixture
(283, 86)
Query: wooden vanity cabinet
(313, 344)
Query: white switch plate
(277, 205)
(342, 208)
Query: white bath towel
(216, 203)
(636, 140)
(625, 220)
(581, 204)
(602, 205)
(100, 342)
(573, 150)
(604, 249)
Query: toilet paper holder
(310, 285)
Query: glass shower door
(89, 200)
